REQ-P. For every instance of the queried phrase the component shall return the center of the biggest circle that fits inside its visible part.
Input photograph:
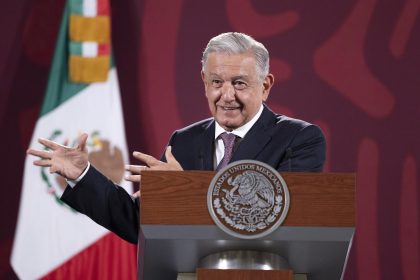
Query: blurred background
(351, 67)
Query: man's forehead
(230, 64)
(231, 56)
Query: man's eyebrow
(240, 77)
(213, 75)
(234, 78)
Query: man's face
(234, 89)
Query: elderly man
(237, 82)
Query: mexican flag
(52, 240)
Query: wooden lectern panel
(316, 199)
(243, 274)
(177, 230)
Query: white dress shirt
(240, 132)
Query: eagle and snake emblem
(248, 201)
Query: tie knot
(228, 139)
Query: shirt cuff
(73, 183)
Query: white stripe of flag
(90, 8)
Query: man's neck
(242, 130)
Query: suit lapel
(256, 138)
(205, 143)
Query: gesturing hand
(152, 164)
(69, 162)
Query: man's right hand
(69, 162)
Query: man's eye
(239, 85)
(216, 83)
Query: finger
(135, 168)
(161, 167)
(66, 142)
(48, 143)
(54, 169)
(82, 141)
(43, 162)
(147, 159)
(169, 156)
(133, 178)
(171, 159)
(38, 153)
(136, 194)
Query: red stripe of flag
(104, 49)
(109, 258)
(103, 8)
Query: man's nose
(228, 92)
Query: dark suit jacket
(284, 143)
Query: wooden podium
(176, 230)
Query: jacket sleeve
(105, 203)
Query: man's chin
(229, 125)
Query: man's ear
(267, 84)
(203, 78)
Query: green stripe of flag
(76, 7)
(75, 48)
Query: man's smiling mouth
(229, 108)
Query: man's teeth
(229, 108)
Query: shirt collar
(240, 131)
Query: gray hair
(238, 43)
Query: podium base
(244, 259)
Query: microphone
(201, 159)
(289, 153)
